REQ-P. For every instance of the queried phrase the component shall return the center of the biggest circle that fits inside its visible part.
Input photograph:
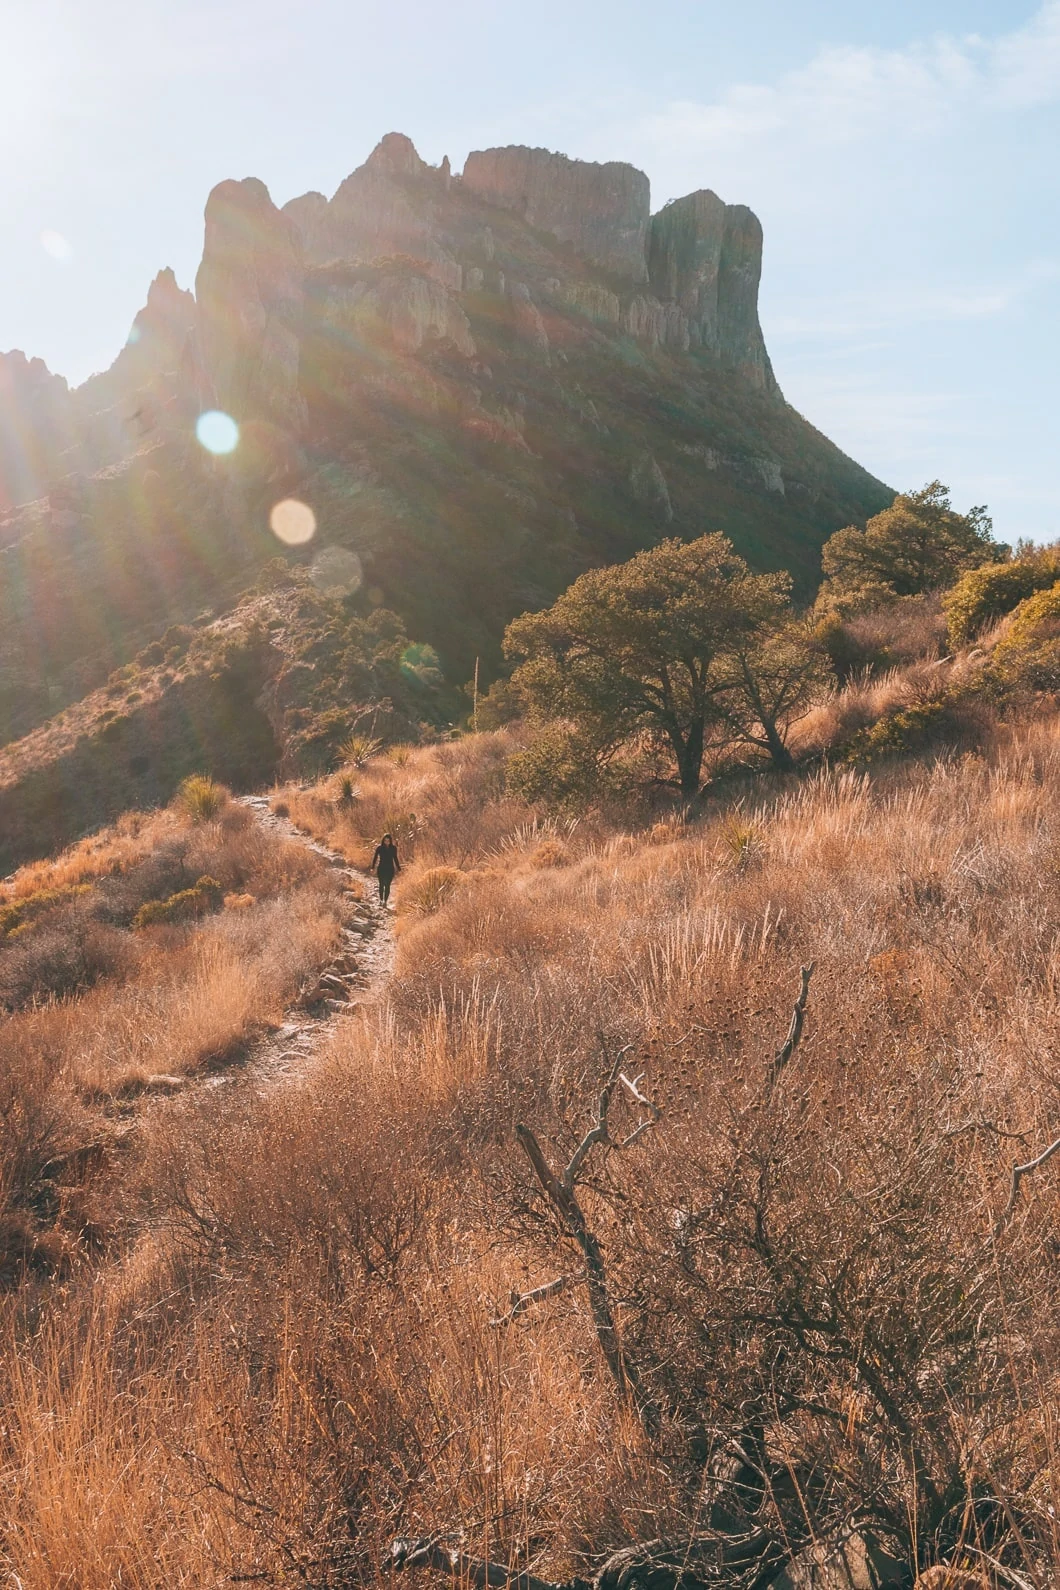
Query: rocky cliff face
(602, 210)
(36, 426)
(706, 257)
(386, 207)
(249, 291)
(482, 385)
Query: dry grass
(195, 1000)
(100, 1013)
(818, 1271)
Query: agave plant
(359, 749)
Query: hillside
(835, 1308)
(276, 685)
(480, 384)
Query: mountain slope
(481, 385)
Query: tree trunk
(690, 758)
(783, 760)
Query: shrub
(903, 630)
(359, 749)
(956, 716)
(561, 768)
(200, 798)
(1028, 656)
(60, 959)
(433, 889)
(18, 914)
(239, 902)
(550, 853)
(983, 595)
(741, 838)
(206, 895)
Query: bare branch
(466, 1570)
(791, 1043)
(655, 1114)
(557, 1192)
(521, 1301)
(598, 1133)
(980, 1124)
(561, 1193)
(1018, 1173)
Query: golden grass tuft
(200, 798)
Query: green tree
(654, 646)
(920, 543)
(1028, 654)
(981, 596)
(769, 680)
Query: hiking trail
(357, 968)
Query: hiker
(384, 864)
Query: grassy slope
(301, 1248)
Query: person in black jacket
(384, 864)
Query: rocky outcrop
(383, 209)
(405, 310)
(705, 256)
(311, 215)
(138, 394)
(528, 323)
(648, 485)
(36, 426)
(602, 210)
(587, 298)
(659, 325)
(249, 291)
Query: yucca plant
(358, 749)
(741, 838)
(200, 798)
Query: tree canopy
(920, 543)
(681, 641)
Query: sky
(903, 159)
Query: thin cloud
(846, 93)
(875, 310)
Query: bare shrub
(62, 958)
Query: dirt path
(358, 967)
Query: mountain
(481, 384)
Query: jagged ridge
(482, 383)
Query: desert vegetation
(681, 1209)
(831, 1307)
(138, 959)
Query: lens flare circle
(293, 522)
(55, 244)
(217, 432)
(337, 572)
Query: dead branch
(1018, 1173)
(598, 1133)
(791, 1042)
(980, 1124)
(466, 1570)
(576, 1227)
(654, 1113)
(521, 1301)
(561, 1193)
